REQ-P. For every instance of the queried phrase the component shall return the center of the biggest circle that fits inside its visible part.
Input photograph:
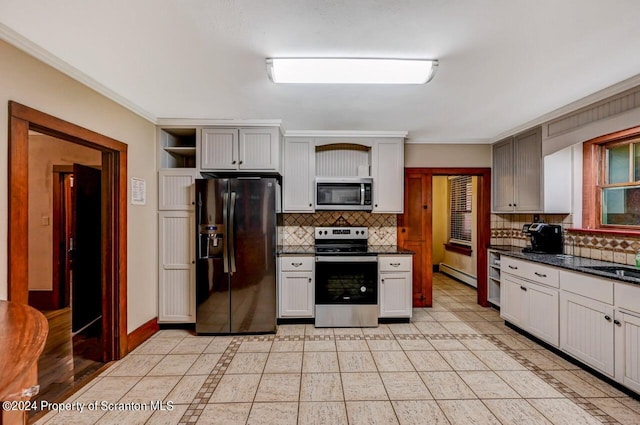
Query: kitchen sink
(620, 271)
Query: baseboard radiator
(459, 274)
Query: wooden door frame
(114, 226)
(483, 219)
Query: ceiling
(503, 63)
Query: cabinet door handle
(296, 264)
(310, 205)
(510, 205)
(607, 318)
(540, 274)
(233, 162)
(523, 288)
(394, 264)
(382, 280)
(617, 322)
(513, 267)
(240, 162)
(310, 280)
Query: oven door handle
(347, 259)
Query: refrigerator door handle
(225, 254)
(232, 236)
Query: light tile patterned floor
(456, 363)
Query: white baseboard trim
(459, 274)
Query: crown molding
(598, 96)
(474, 141)
(12, 37)
(344, 133)
(231, 122)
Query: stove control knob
(325, 232)
(363, 289)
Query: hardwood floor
(67, 361)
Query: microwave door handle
(361, 193)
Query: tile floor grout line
(571, 395)
(195, 408)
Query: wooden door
(414, 234)
(86, 301)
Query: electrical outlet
(45, 220)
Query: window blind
(460, 209)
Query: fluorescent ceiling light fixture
(350, 70)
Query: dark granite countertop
(569, 262)
(371, 249)
(296, 249)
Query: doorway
(415, 228)
(113, 213)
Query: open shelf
(493, 283)
(178, 147)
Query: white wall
(34, 84)
(447, 155)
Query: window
(460, 210)
(611, 190)
(621, 185)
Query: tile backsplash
(298, 228)
(506, 229)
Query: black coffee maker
(545, 238)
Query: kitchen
(85, 107)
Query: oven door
(346, 279)
(346, 291)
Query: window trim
(592, 167)
(465, 179)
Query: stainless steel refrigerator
(236, 251)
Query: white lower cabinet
(296, 292)
(177, 292)
(627, 335)
(542, 309)
(530, 306)
(587, 332)
(394, 286)
(627, 349)
(598, 319)
(512, 301)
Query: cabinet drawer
(296, 264)
(627, 297)
(532, 271)
(587, 286)
(394, 263)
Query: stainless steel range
(346, 278)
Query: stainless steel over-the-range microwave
(344, 193)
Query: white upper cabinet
(558, 181)
(524, 181)
(244, 149)
(387, 170)
(219, 150)
(299, 174)
(259, 149)
(176, 189)
(517, 173)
